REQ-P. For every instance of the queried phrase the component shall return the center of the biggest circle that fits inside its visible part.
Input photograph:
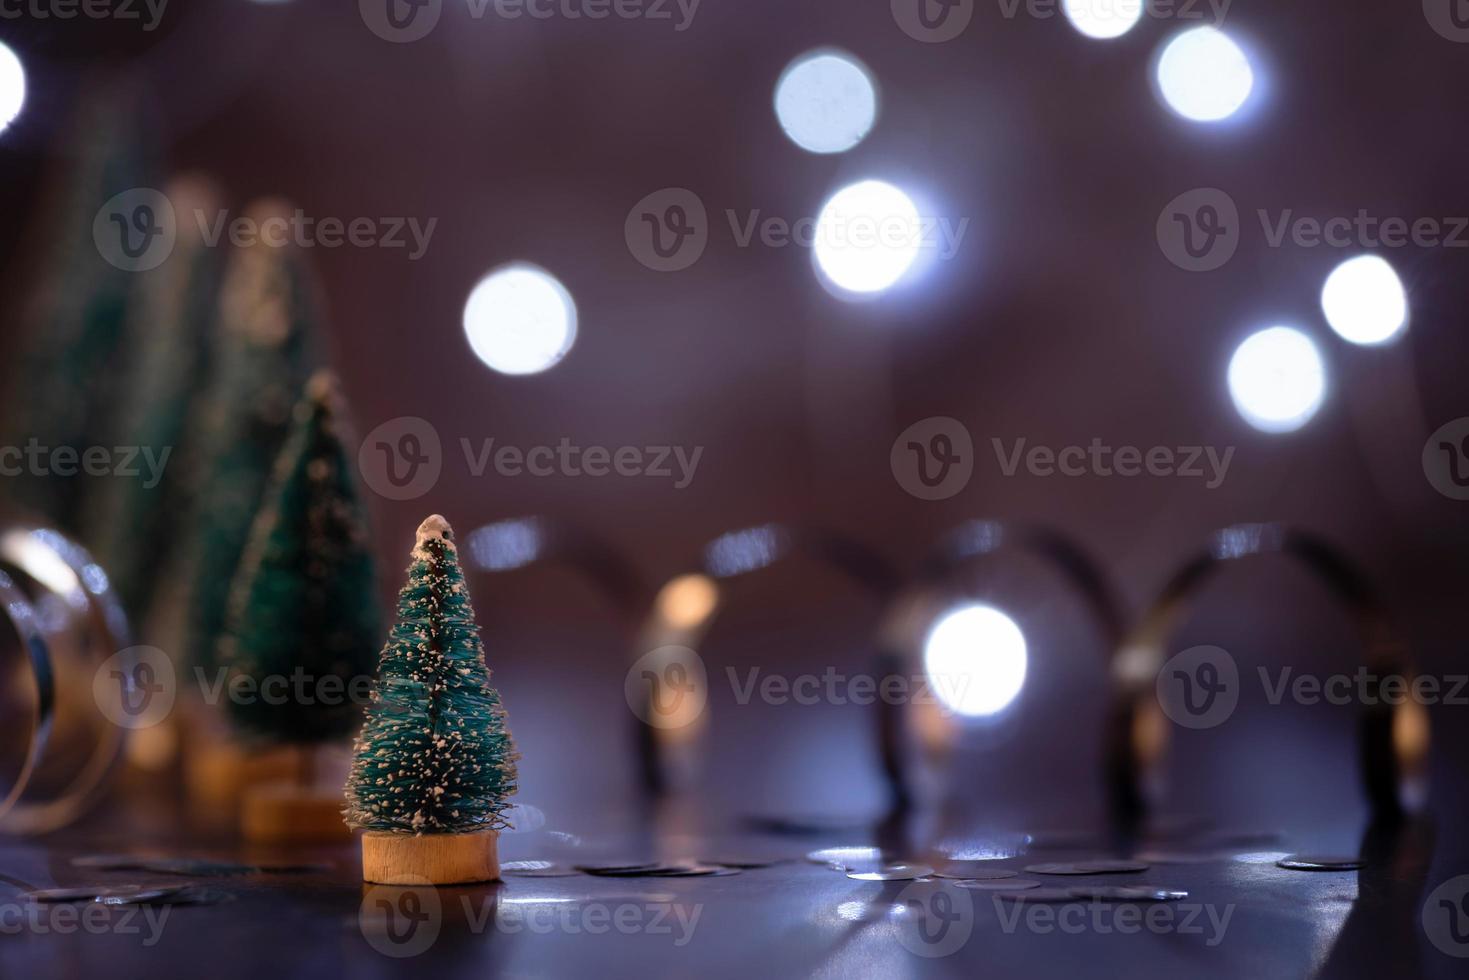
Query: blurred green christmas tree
(267, 350)
(435, 755)
(61, 387)
(303, 621)
(132, 526)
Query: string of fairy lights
(519, 319)
(868, 235)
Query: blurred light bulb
(520, 320)
(30, 551)
(1103, 19)
(744, 551)
(1364, 302)
(1204, 76)
(975, 659)
(1277, 379)
(506, 545)
(12, 87)
(688, 601)
(867, 236)
(826, 102)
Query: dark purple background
(1059, 321)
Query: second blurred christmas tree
(267, 350)
(303, 619)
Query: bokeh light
(506, 545)
(747, 550)
(1103, 19)
(1277, 379)
(975, 660)
(867, 236)
(688, 601)
(1204, 75)
(826, 102)
(520, 320)
(12, 87)
(1364, 301)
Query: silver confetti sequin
(1319, 862)
(999, 885)
(893, 872)
(1130, 893)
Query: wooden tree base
(218, 774)
(286, 814)
(435, 859)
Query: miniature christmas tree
(434, 764)
(267, 350)
(304, 601)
